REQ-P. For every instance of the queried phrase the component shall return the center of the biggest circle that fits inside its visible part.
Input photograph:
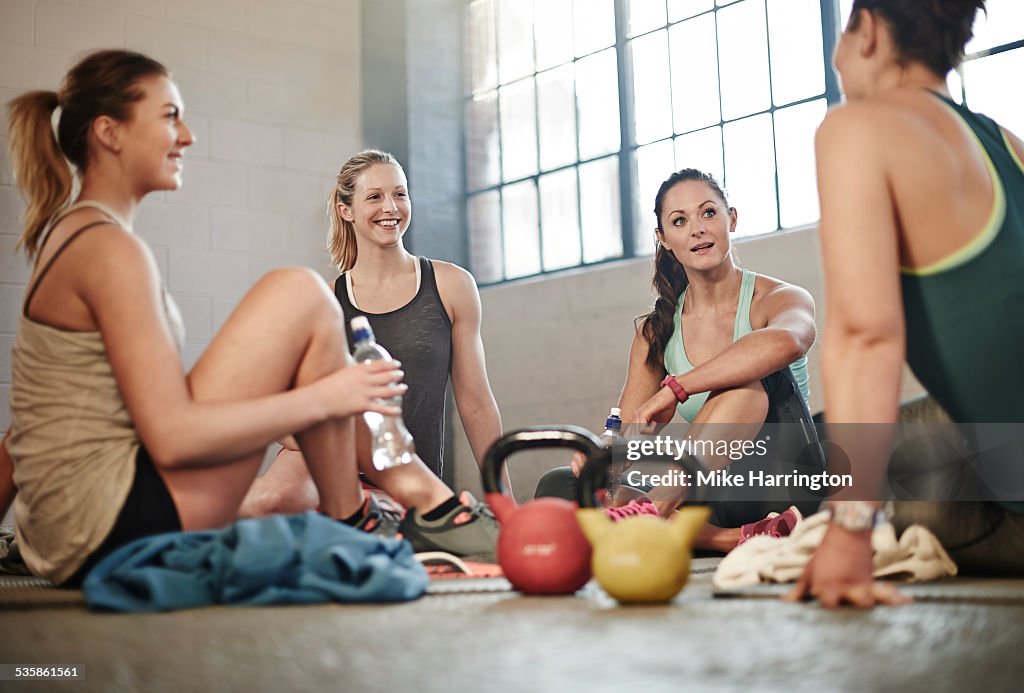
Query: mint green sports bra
(676, 361)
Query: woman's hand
(658, 409)
(841, 572)
(363, 387)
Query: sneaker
(775, 525)
(643, 506)
(379, 518)
(469, 530)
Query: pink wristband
(677, 389)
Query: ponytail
(669, 282)
(40, 169)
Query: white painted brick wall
(271, 91)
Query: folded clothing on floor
(293, 559)
(917, 556)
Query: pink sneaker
(638, 506)
(775, 525)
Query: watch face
(854, 515)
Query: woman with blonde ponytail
(725, 349)
(110, 438)
(427, 314)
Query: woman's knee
(303, 291)
(744, 404)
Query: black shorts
(148, 510)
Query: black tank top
(419, 334)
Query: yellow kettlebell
(642, 559)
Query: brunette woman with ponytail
(725, 348)
(922, 210)
(110, 438)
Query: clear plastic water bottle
(391, 444)
(613, 434)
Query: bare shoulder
(875, 124)
(772, 295)
(452, 279)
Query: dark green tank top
(965, 313)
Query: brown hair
(931, 32)
(341, 238)
(669, 275)
(103, 83)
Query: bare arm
(473, 396)
(788, 335)
(642, 380)
(7, 488)
(122, 290)
(864, 337)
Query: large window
(576, 110)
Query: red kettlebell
(541, 548)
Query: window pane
(1004, 24)
(701, 150)
(695, 101)
(988, 81)
(485, 236)
(518, 130)
(515, 39)
(845, 6)
(743, 51)
(720, 3)
(797, 56)
(750, 173)
(597, 100)
(794, 137)
(521, 234)
(600, 210)
(482, 141)
(556, 110)
(683, 9)
(483, 66)
(654, 163)
(593, 25)
(651, 93)
(645, 15)
(955, 85)
(554, 43)
(560, 219)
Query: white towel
(916, 557)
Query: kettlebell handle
(537, 437)
(594, 477)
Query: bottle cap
(615, 412)
(361, 328)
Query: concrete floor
(506, 642)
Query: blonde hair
(103, 83)
(341, 237)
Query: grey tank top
(419, 334)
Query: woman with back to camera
(110, 439)
(427, 314)
(922, 210)
(723, 346)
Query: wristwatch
(853, 516)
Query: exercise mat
(28, 592)
(965, 590)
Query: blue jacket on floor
(281, 559)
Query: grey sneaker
(468, 531)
